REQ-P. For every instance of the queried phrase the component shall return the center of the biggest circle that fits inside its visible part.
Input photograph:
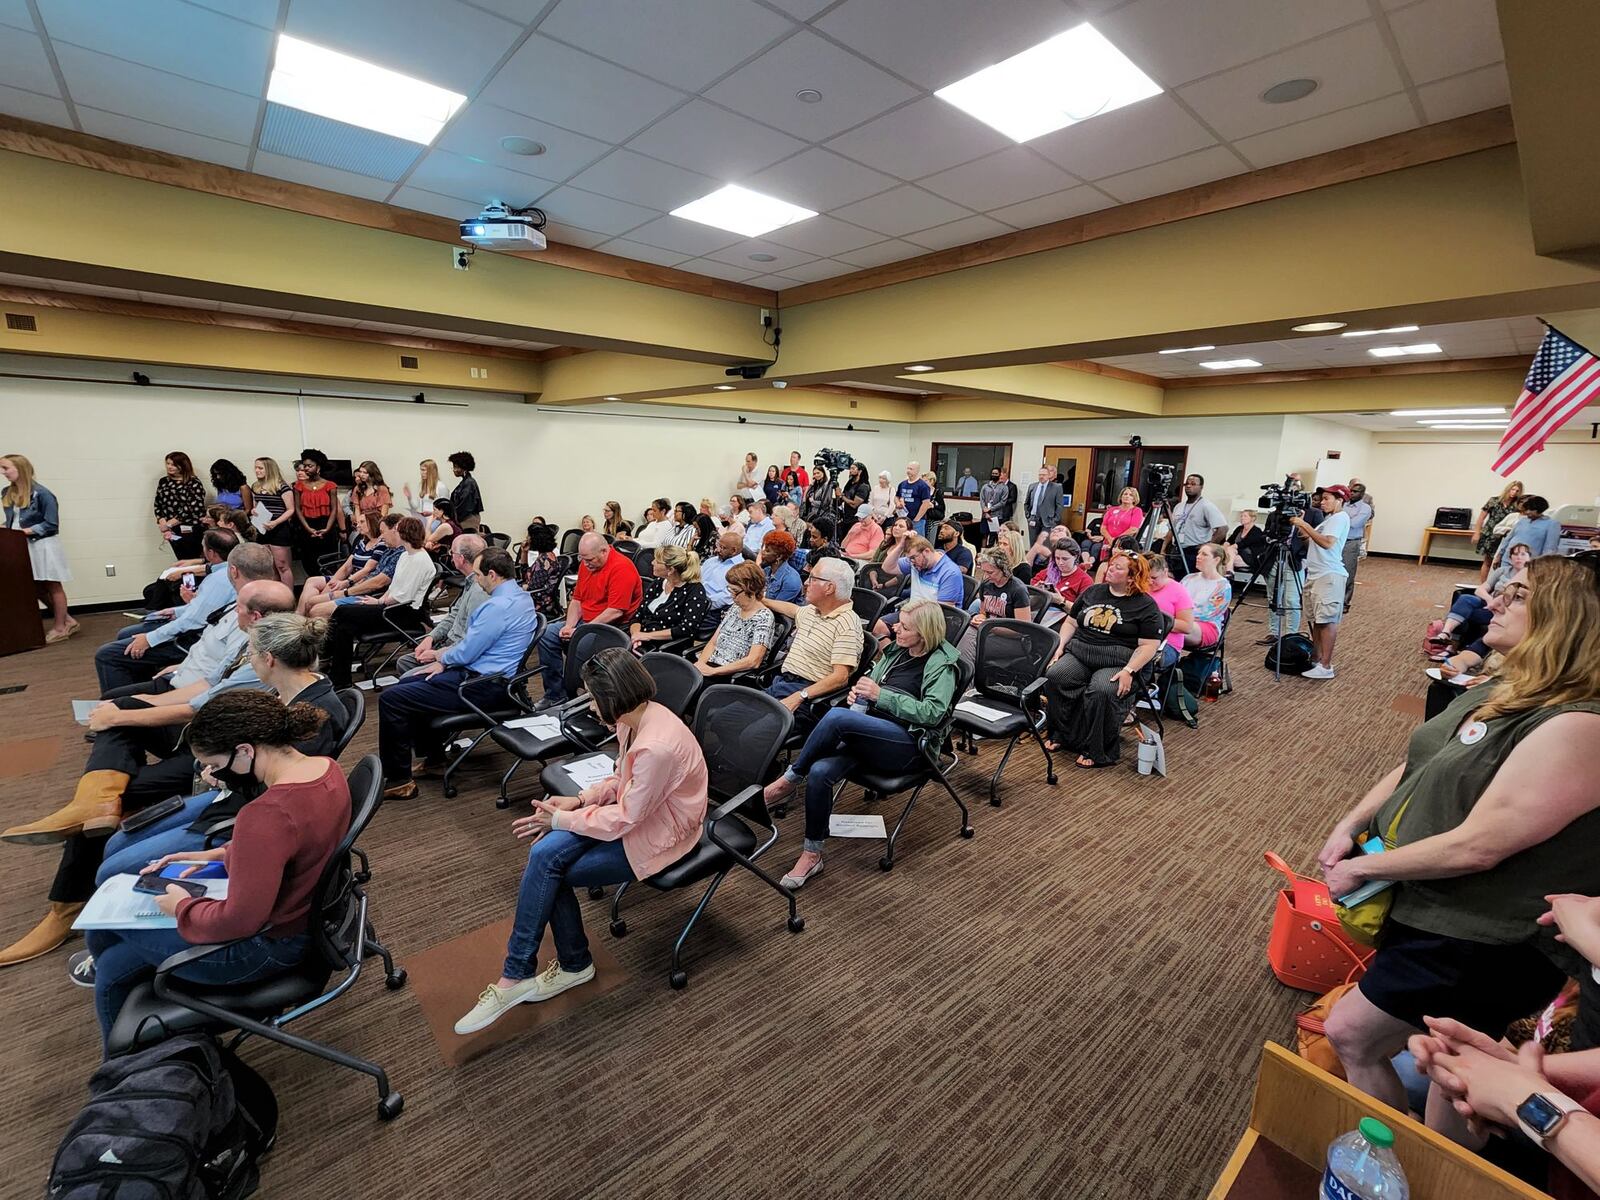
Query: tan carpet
(1070, 1004)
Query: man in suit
(1043, 503)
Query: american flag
(1564, 377)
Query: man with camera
(1325, 576)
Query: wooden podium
(20, 626)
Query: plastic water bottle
(1211, 691)
(1362, 1166)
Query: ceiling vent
(22, 323)
(408, 361)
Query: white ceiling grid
(643, 106)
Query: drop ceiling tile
(883, 252)
(1469, 93)
(1006, 177)
(687, 237)
(159, 137)
(15, 14)
(1362, 123)
(624, 175)
(568, 235)
(853, 91)
(936, 42)
(623, 248)
(167, 35)
(112, 85)
(566, 87)
(1153, 130)
(824, 235)
(775, 282)
(522, 12)
(440, 42)
(783, 257)
(1440, 38)
(717, 270)
(959, 233)
(34, 107)
(258, 12)
(801, 10)
(480, 182)
(919, 139)
(901, 210)
(1353, 66)
(702, 137)
(1177, 41)
(477, 129)
(316, 175)
(687, 43)
(421, 200)
(598, 214)
(822, 268)
(294, 133)
(1073, 202)
(820, 180)
(1173, 175)
(24, 64)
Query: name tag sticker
(1473, 733)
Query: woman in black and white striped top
(275, 515)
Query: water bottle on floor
(1362, 1166)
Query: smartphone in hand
(154, 883)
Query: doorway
(1072, 468)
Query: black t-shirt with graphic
(1002, 601)
(1105, 618)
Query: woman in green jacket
(908, 690)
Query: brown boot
(43, 937)
(95, 810)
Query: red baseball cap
(1340, 491)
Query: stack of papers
(982, 711)
(115, 905)
(856, 825)
(543, 725)
(586, 772)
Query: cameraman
(1287, 578)
(1325, 576)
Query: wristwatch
(1542, 1113)
(805, 694)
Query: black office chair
(626, 546)
(527, 745)
(569, 541)
(1008, 677)
(642, 559)
(762, 676)
(887, 584)
(678, 685)
(355, 707)
(869, 605)
(342, 938)
(740, 732)
(400, 638)
(498, 541)
(484, 716)
(931, 746)
(1152, 683)
(969, 590)
(956, 621)
(1040, 600)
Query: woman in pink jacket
(639, 821)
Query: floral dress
(1494, 512)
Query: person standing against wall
(180, 504)
(1359, 510)
(466, 502)
(31, 510)
(317, 511)
(275, 516)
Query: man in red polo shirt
(608, 592)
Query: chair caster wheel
(499, 801)
(995, 803)
(390, 1106)
(885, 863)
(967, 831)
(781, 811)
(1050, 779)
(796, 924)
(679, 980)
(450, 791)
(597, 893)
(619, 929)
(396, 981)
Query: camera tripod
(1276, 551)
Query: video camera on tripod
(837, 461)
(1284, 501)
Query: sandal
(1089, 765)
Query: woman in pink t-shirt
(1172, 598)
(1125, 517)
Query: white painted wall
(1306, 443)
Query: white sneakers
(1318, 672)
(496, 1001)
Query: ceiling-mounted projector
(499, 227)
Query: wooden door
(1073, 464)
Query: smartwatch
(1543, 1113)
(805, 694)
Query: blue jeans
(557, 863)
(124, 958)
(127, 854)
(553, 661)
(842, 741)
(406, 714)
(1284, 586)
(1169, 655)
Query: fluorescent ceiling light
(1446, 412)
(329, 84)
(739, 210)
(1374, 332)
(1185, 349)
(723, 387)
(1228, 364)
(1401, 351)
(1069, 78)
(1320, 326)
(1464, 424)
(921, 367)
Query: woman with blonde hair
(1016, 545)
(1496, 808)
(274, 515)
(675, 601)
(1123, 517)
(31, 509)
(1496, 511)
(908, 691)
(421, 504)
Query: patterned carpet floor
(1070, 1004)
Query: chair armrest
(732, 805)
(223, 826)
(473, 677)
(408, 636)
(194, 954)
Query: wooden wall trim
(156, 166)
(1446, 367)
(1432, 143)
(1090, 367)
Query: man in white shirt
(1325, 576)
(1196, 521)
(760, 525)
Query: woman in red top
(281, 842)
(1063, 574)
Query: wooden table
(1427, 539)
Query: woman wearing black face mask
(281, 843)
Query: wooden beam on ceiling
(1091, 367)
(839, 389)
(138, 162)
(1448, 139)
(1445, 367)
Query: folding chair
(1011, 660)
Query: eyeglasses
(1515, 593)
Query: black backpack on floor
(181, 1120)
(1292, 654)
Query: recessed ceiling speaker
(808, 95)
(521, 145)
(1289, 91)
